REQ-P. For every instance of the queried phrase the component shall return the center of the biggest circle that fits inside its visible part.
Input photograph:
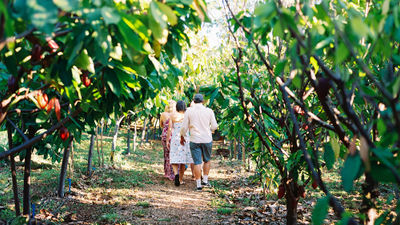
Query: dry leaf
(352, 147)
(364, 153)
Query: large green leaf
(130, 37)
(9, 28)
(171, 17)
(42, 14)
(112, 81)
(329, 156)
(110, 15)
(84, 61)
(320, 211)
(158, 24)
(67, 5)
(350, 170)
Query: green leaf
(359, 27)
(350, 170)
(320, 211)
(9, 28)
(396, 87)
(385, 7)
(136, 25)
(130, 37)
(43, 14)
(329, 156)
(335, 144)
(278, 30)
(113, 82)
(213, 95)
(171, 17)
(158, 24)
(67, 6)
(280, 67)
(84, 61)
(341, 53)
(110, 15)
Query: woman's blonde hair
(170, 107)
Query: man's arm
(185, 124)
(214, 124)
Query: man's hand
(182, 140)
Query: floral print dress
(179, 154)
(168, 172)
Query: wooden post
(63, 172)
(13, 172)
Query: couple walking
(187, 138)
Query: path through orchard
(135, 191)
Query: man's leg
(196, 155)
(206, 150)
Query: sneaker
(199, 188)
(177, 183)
(205, 184)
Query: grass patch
(165, 220)
(225, 211)
(110, 217)
(143, 204)
(138, 213)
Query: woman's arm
(169, 131)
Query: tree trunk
(13, 172)
(63, 173)
(135, 137)
(143, 131)
(234, 148)
(27, 175)
(128, 149)
(89, 167)
(97, 146)
(291, 209)
(115, 136)
(71, 163)
(101, 142)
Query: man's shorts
(200, 152)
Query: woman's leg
(181, 172)
(175, 168)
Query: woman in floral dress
(165, 124)
(179, 154)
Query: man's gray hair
(198, 98)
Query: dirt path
(136, 192)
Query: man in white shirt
(201, 122)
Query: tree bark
(89, 167)
(97, 147)
(71, 163)
(101, 142)
(135, 137)
(63, 172)
(143, 131)
(291, 209)
(13, 172)
(128, 150)
(115, 136)
(27, 175)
